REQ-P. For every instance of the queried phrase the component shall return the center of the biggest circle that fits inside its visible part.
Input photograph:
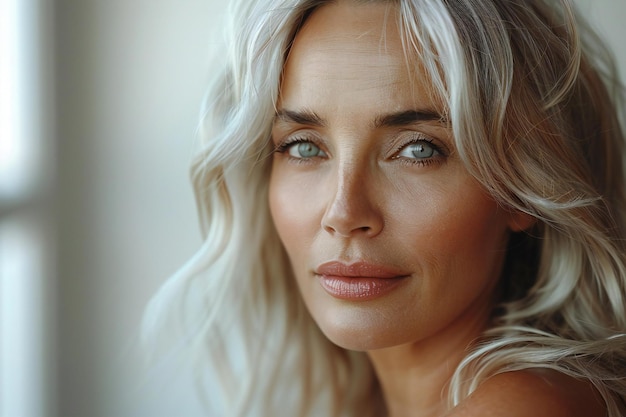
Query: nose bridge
(351, 209)
(350, 180)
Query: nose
(353, 207)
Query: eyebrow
(304, 117)
(398, 119)
(408, 117)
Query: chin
(361, 330)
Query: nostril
(351, 213)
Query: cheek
(292, 207)
(281, 209)
(459, 232)
(444, 216)
(468, 224)
(455, 239)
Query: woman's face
(390, 239)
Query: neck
(414, 377)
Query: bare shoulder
(532, 393)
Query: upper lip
(359, 269)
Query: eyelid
(284, 144)
(417, 137)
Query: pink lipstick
(359, 281)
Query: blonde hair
(532, 105)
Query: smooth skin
(365, 169)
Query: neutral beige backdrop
(130, 76)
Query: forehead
(346, 48)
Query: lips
(359, 281)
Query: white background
(128, 80)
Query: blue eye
(304, 150)
(418, 150)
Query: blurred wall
(130, 78)
(130, 75)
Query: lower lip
(358, 288)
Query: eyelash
(439, 157)
(283, 148)
(286, 144)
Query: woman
(411, 208)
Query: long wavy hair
(534, 104)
